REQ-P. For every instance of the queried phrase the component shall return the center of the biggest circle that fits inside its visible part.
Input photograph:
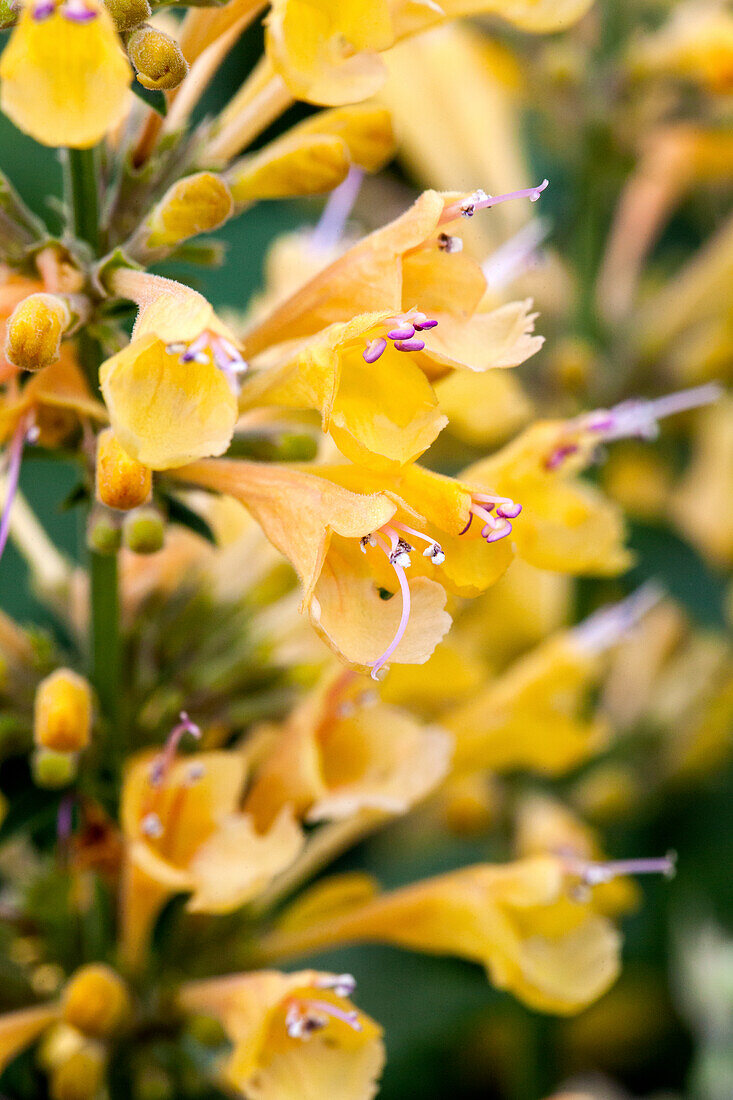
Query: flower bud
(52, 770)
(8, 14)
(63, 712)
(196, 204)
(81, 1076)
(104, 535)
(143, 531)
(96, 1000)
(34, 331)
(157, 58)
(128, 14)
(122, 482)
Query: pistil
(479, 200)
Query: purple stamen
(470, 521)
(343, 985)
(404, 333)
(609, 625)
(517, 255)
(15, 457)
(559, 455)
(507, 511)
(596, 874)
(77, 12)
(640, 418)
(42, 10)
(409, 345)
(422, 326)
(330, 228)
(497, 533)
(374, 349)
(163, 764)
(481, 201)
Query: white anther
(151, 826)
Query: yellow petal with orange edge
(63, 82)
(19, 1029)
(327, 53)
(236, 862)
(164, 411)
(357, 623)
(297, 511)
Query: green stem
(106, 648)
(82, 185)
(82, 194)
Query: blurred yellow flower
(520, 920)
(340, 753)
(295, 1036)
(185, 833)
(64, 77)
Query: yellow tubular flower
(63, 712)
(567, 524)
(295, 1036)
(170, 393)
(532, 715)
(545, 826)
(184, 833)
(315, 155)
(340, 753)
(328, 533)
(414, 263)
(121, 482)
(63, 76)
(695, 44)
(520, 920)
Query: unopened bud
(62, 718)
(196, 204)
(81, 1076)
(158, 59)
(9, 12)
(122, 482)
(128, 14)
(104, 534)
(34, 331)
(143, 531)
(53, 770)
(96, 1001)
